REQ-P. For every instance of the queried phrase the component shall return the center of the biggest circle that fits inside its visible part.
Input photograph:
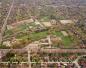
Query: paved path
(76, 61)
(50, 50)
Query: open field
(67, 41)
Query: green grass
(32, 24)
(38, 36)
(8, 32)
(33, 36)
(46, 18)
(4, 47)
(23, 37)
(23, 27)
(67, 41)
(57, 33)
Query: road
(50, 50)
(76, 61)
(5, 23)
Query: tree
(5, 24)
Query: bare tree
(5, 24)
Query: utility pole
(5, 23)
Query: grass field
(67, 41)
(38, 36)
(34, 36)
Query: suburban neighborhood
(42, 34)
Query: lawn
(57, 33)
(33, 36)
(38, 36)
(45, 19)
(24, 37)
(67, 41)
(8, 32)
(23, 27)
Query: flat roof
(47, 24)
(66, 21)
